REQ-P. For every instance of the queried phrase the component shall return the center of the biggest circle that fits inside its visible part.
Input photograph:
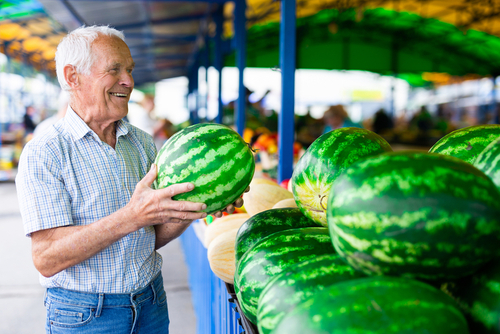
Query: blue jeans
(142, 311)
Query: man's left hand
(231, 207)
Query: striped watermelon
(272, 256)
(268, 222)
(489, 161)
(211, 156)
(324, 160)
(376, 305)
(415, 214)
(479, 298)
(300, 282)
(467, 143)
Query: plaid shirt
(68, 176)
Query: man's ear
(71, 76)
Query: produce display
(273, 255)
(296, 285)
(325, 160)
(415, 214)
(211, 156)
(488, 161)
(373, 234)
(268, 222)
(467, 143)
(380, 305)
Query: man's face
(106, 91)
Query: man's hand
(230, 208)
(153, 207)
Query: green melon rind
(467, 143)
(479, 298)
(266, 223)
(272, 256)
(415, 214)
(211, 156)
(376, 305)
(488, 161)
(300, 282)
(326, 158)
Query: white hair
(76, 49)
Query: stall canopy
(166, 37)
(28, 34)
(455, 37)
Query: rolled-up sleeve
(43, 199)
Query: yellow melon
(224, 224)
(262, 197)
(286, 203)
(261, 180)
(221, 256)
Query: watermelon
(300, 282)
(326, 158)
(467, 143)
(376, 305)
(415, 214)
(268, 222)
(211, 156)
(488, 161)
(479, 298)
(272, 256)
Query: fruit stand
(362, 238)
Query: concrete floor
(21, 296)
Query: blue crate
(214, 313)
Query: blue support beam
(241, 51)
(218, 58)
(287, 63)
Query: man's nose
(127, 79)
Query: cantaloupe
(262, 197)
(221, 256)
(286, 203)
(224, 224)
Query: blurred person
(86, 199)
(382, 122)
(47, 123)
(336, 117)
(143, 117)
(28, 120)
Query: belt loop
(99, 305)
(154, 291)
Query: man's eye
(130, 70)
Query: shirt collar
(79, 129)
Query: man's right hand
(153, 207)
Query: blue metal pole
(286, 116)
(241, 50)
(219, 20)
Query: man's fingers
(150, 176)
(238, 203)
(183, 206)
(230, 208)
(183, 215)
(176, 189)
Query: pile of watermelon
(381, 241)
(376, 241)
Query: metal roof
(164, 37)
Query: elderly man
(86, 200)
